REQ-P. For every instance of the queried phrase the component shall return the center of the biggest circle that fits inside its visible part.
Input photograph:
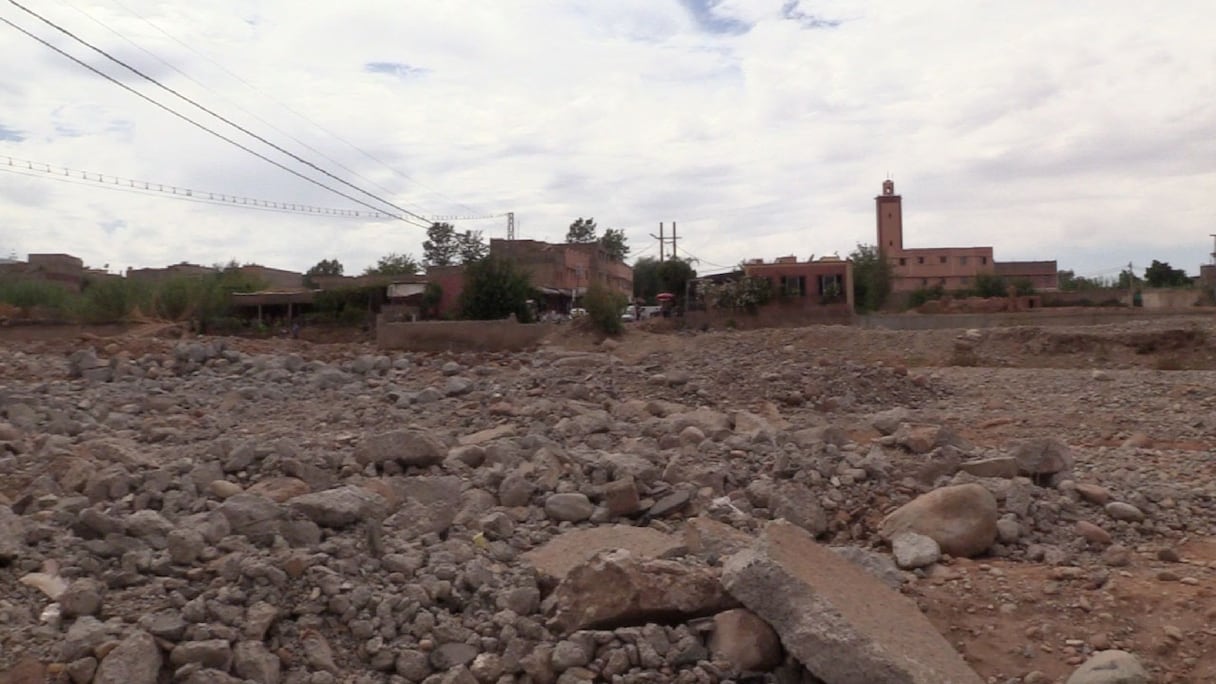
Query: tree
(582, 231)
(674, 275)
(442, 246)
(471, 246)
(604, 309)
(395, 264)
(494, 289)
(646, 279)
(871, 277)
(326, 267)
(613, 242)
(1160, 274)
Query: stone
(706, 536)
(254, 516)
(1041, 456)
(744, 640)
(1124, 511)
(998, 466)
(1110, 667)
(1092, 493)
(429, 505)
(559, 555)
(912, 550)
(616, 589)
(1092, 533)
(798, 504)
(961, 519)
(515, 491)
(880, 566)
(887, 422)
(568, 654)
(570, 507)
(12, 535)
(413, 665)
(450, 655)
(621, 497)
(215, 654)
(185, 546)
(672, 503)
(339, 507)
(280, 489)
(406, 447)
(136, 660)
(920, 438)
(82, 597)
(844, 626)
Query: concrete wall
(1170, 299)
(438, 336)
(771, 316)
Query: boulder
(555, 559)
(1110, 667)
(406, 447)
(845, 626)
(136, 660)
(571, 507)
(744, 640)
(428, 505)
(1041, 456)
(799, 505)
(912, 550)
(708, 537)
(961, 519)
(618, 589)
(339, 507)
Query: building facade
(63, 270)
(823, 284)
(951, 268)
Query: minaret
(890, 220)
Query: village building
(951, 268)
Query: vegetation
(1160, 274)
(445, 247)
(871, 277)
(494, 289)
(432, 295)
(748, 293)
(202, 299)
(585, 231)
(1071, 282)
(582, 231)
(395, 264)
(604, 309)
(472, 246)
(352, 305)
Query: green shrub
(30, 294)
(111, 300)
(925, 294)
(604, 309)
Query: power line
(26, 167)
(226, 120)
(301, 116)
(154, 56)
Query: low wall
(1040, 317)
(437, 336)
(772, 316)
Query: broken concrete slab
(554, 560)
(843, 625)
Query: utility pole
(1131, 285)
(673, 240)
(662, 242)
(1213, 236)
(510, 225)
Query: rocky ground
(223, 510)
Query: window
(965, 280)
(941, 259)
(962, 261)
(793, 286)
(903, 261)
(920, 260)
(984, 260)
(924, 282)
(831, 287)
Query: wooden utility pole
(662, 241)
(673, 240)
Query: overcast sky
(1079, 131)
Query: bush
(604, 309)
(494, 289)
(30, 294)
(111, 300)
(925, 294)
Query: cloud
(763, 127)
(398, 69)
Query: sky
(1083, 132)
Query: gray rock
(889, 421)
(572, 507)
(406, 447)
(1124, 511)
(998, 466)
(12, 535)
(83, 636)
(136, 660)
(413, 665)
(251, 660)
(339, 507)
(568, 654)
(82, 597)
(744, 640)
(798, 504)
(450, 655)
(168, 625)
(912, 550)
(256, 517)
(1110, 667)
(515, 491)
(457, 386)
(844, 626)
(211, 653)
(185, 546)
(428, 505)
(1042, 456)
(880, 566)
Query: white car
(628, 317)
(577, 311)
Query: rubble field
(825, 504)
